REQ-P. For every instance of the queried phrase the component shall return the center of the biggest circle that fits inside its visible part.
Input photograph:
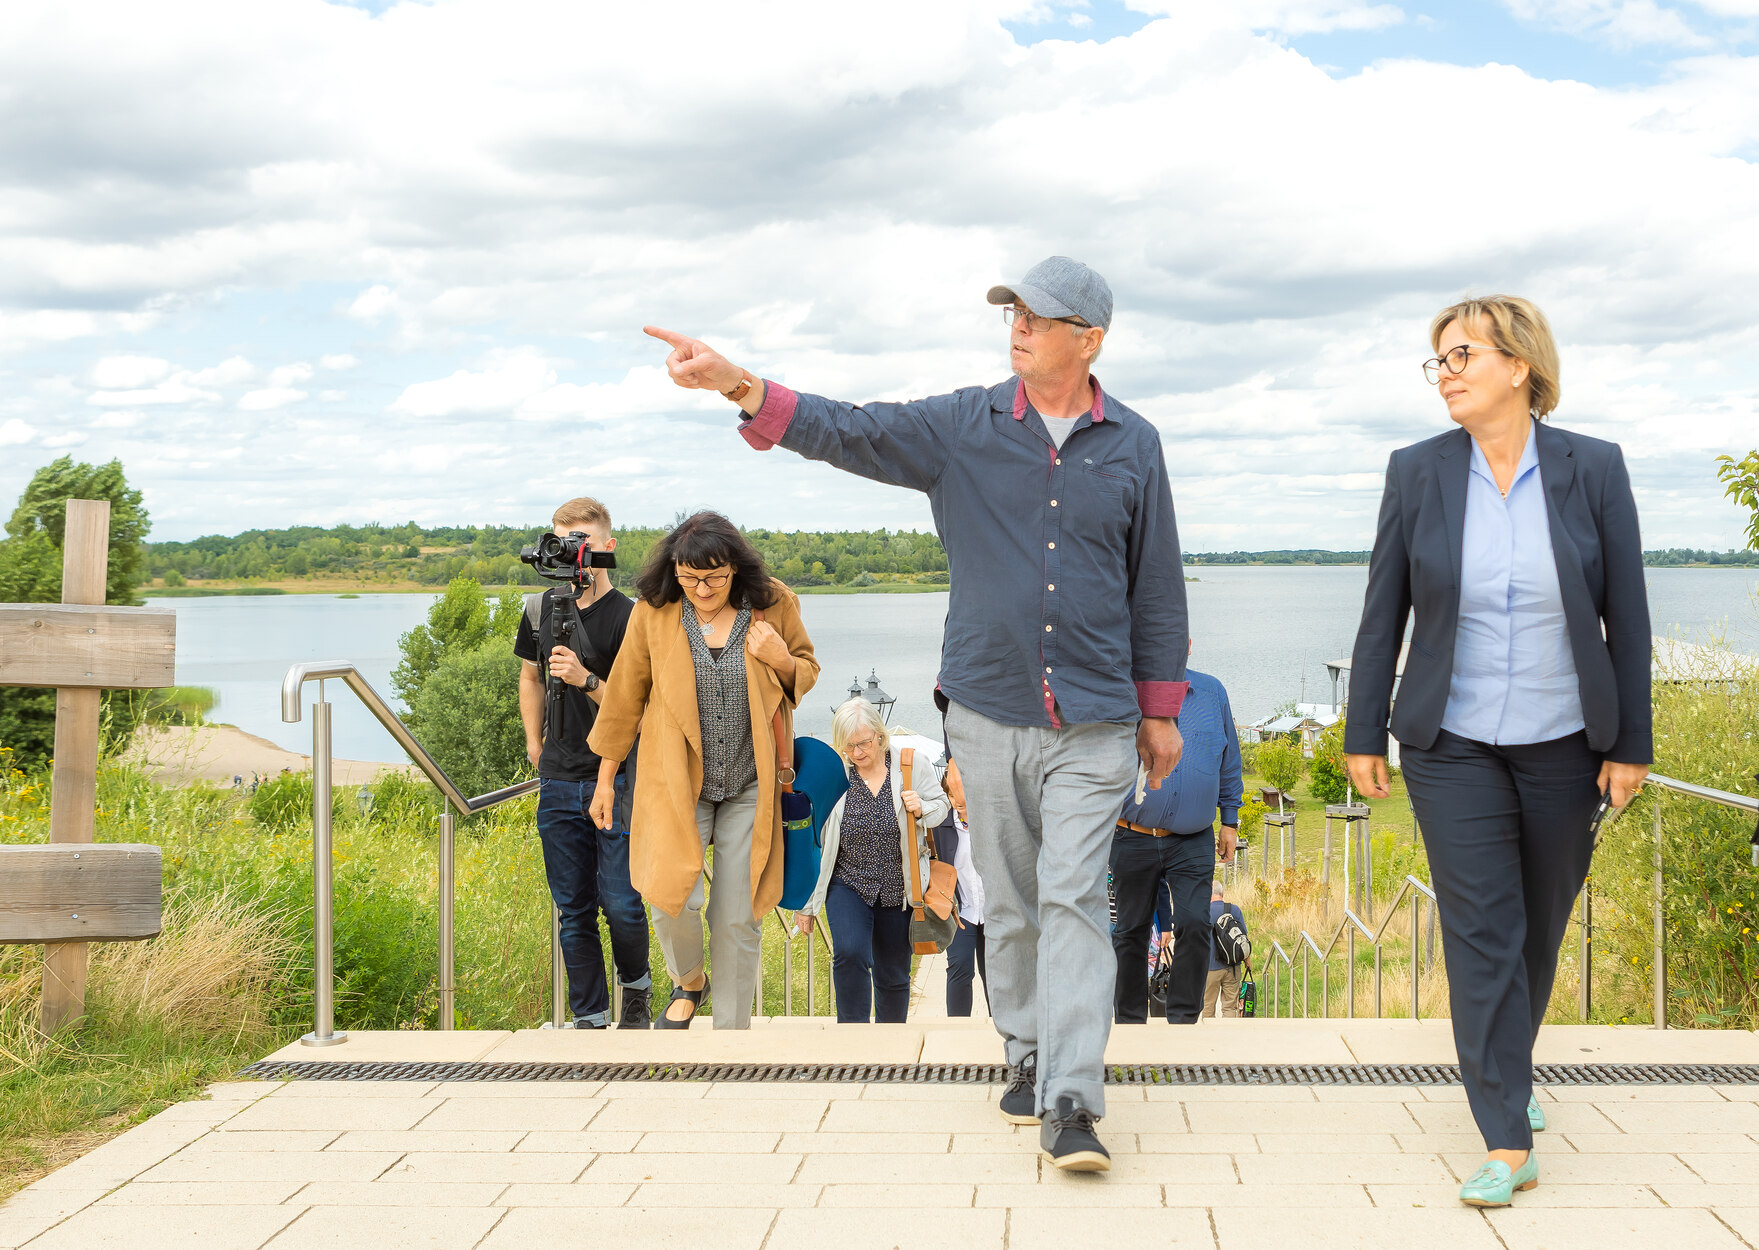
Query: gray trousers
(1043, 803)
(735, 936)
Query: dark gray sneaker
(1068, 1139)
(1020, 1100)
(637, 1009)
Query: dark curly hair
(705, 540)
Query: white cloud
(269, 397)
(341, 360)
(498, 389)
(128, 372)
(73, 438)
(117, 420)
(229, 372)
(288, 375)
(176, 389)
(14, 432)
(372, 303)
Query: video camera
(566, 559)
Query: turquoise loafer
(1493, 1185)
(1535, 1117)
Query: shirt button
(1052, 586)
(1053, 503)
(1047, 670)
(1047, 629)
(1058, 460)
(1052, 546)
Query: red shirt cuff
(765, 429)
(1161, 698)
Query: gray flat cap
(1060, 287)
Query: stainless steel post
(1377, 980)
(1325, 857)
(788, 971)
(1350, 973)
(757, 990)
(616, 997)
(1660, 929)
(323, 883)
(1367, 870)
(1585, 952)
(447, 877)
(1306, 985)
(811, 976)
(1417, 952)
(558, 978)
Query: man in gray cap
(1063, 662)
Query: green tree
(30, 572)
(42, 510)
(466, 713)
(1280, 762)
(459, 620)
(297, 563)
(1740, 479)
(1329, 779)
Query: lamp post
(873, 694)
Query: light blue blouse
(1514, 678)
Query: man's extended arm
(899, 444)
(1160, 637)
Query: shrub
(1328, 777)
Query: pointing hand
(695, 365)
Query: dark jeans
(964, 957)
(1143, 869)
(588, 871)
(1506, 829)
(870, 964)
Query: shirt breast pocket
(1107, 497)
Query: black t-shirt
(566, 757)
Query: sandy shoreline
(178, 755)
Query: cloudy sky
(307, 262)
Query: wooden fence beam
(67, 646)
(105, 892)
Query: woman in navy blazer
(1525, 695)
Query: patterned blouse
(870, 860)
(729, 762)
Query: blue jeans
(965, 957)
(871, 957)
(588, 871)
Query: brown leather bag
(933, 920)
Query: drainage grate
(981, 1073)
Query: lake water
(1262, 631)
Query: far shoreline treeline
(412, 557)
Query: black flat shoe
(665, 1020)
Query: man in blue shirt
(1063, 660)
(1168, 844)
(1224, 977)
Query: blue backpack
(819, 781)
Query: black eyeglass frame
(1011, 314)
(1435, 364)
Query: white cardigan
(935, 807)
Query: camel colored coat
(653, 688)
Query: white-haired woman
(861, 885)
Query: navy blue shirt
(1208, 775)
(1067, 591)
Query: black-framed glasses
(714, 581)
(1455, 360)
(1036, 324)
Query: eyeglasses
(714, 581)
(1455, 360)
(864, 745)
(1036, 324)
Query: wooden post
(85, 568)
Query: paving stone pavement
(746, 1166)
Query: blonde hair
(855, 714)
(1516, 327)
(582, 511)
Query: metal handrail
(323, 883)
(1348, 927)
(1687, 789)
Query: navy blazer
(1416, 569)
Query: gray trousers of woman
(735, 935)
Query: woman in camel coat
(714, 648)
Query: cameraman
(588, 868)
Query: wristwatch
(742, 390)
(591, 682)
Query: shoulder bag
(933, 921)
